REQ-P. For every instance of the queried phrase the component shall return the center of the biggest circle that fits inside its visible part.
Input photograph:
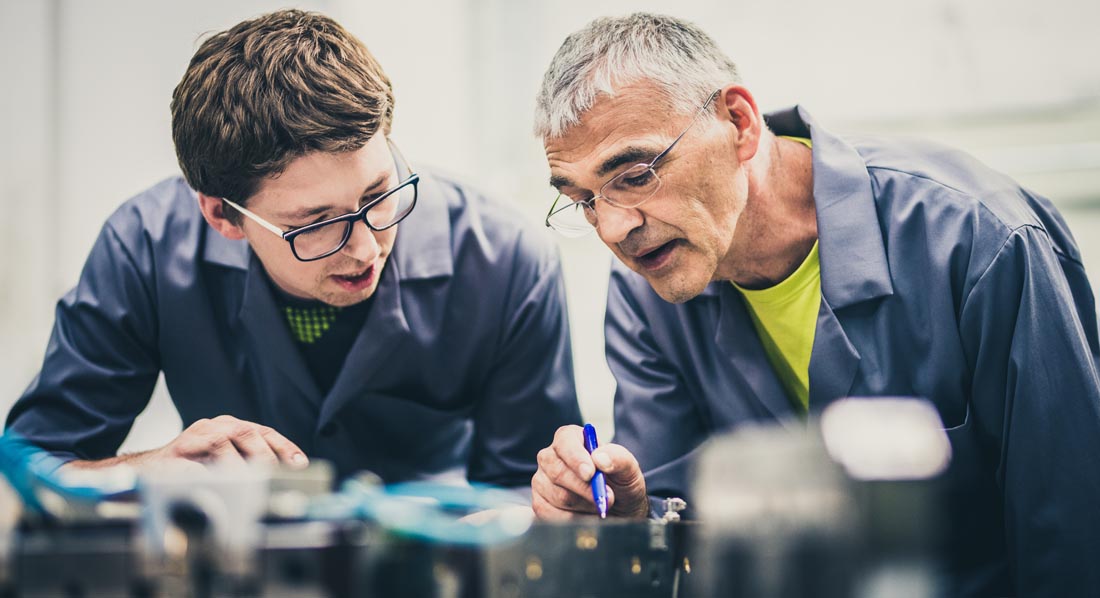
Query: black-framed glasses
(628, 189)
(322, 239)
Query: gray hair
(682, 61)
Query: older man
(305, 290)
(768, 267)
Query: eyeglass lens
(322, 240)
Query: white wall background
(85, 87)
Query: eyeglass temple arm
(257, 219)
(400, 154)
(550, 212)
(701, 112)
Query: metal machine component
(203, 518)
(589, 558)
(248, 531)
(673, 507)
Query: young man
(305, 290)
(769, 267)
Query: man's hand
(224, 439)
(560, 489)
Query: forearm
(132, 459)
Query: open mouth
(355, 282)
(659, 256)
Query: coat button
(329, 429)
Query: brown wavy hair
(269, 90)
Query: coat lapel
(737, 337)
(834, 361)
(288, 396)
(267, 329)
(378, 344)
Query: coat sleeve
(1030, 332)
(655, 418)
(101, 362)
(529, 391)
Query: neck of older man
(778, 227)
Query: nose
(362, 245)
(613, 224)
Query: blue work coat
(464, 359)
(941, 279)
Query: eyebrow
(632, 154)
(307, 212)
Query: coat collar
(853, 258)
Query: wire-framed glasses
(628, 189)
(322, 239)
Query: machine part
(598, 558)
(205, 521)
(673, 507)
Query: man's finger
(618, 465)
(222, 450)
(563, 475)
(560, 497)
(624, 475)
(554, 494)
(285, 450)
(548, 512)
(251, 445)
(569, 447)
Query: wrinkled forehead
(632, 126)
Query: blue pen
(599, 488)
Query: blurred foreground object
(843, 506)
(221, 530)
(847, 506)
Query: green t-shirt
(785, 318)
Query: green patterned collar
(308, 324)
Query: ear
(213, 210)
(739, 107)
